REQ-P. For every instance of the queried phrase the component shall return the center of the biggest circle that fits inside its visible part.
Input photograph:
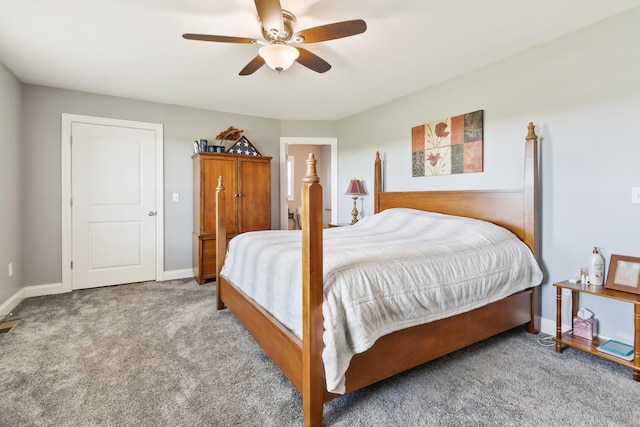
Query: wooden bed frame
(301, 360)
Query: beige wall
(308, 128)
(41, 175)
(10, 186)
(583, 93)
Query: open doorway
(294, 152)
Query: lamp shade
(279, 56)
(355, 188)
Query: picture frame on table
(624, 274)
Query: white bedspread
(396, 269)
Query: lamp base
(354, 212)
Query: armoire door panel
(212, 169)
(254, 205)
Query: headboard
(515, 210)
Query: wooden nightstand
(590, 346)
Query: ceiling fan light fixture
(279, 56)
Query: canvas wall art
(450, 146)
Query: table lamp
(355, 189)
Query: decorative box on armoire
(247, 183)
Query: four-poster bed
(301, 359)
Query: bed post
(221, 238)
(530, 184)
(531, 209)
(377, 183)
(313, 381)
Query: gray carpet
(159, 354)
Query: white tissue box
(585, 328)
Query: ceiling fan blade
(333, 31)
(312, 61)
(252, 66)
(270, 14)
(223, 39)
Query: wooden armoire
(247, 183)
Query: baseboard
(178, 274)
(548, 326)
(57, 288)
(11, 303)
(41, 290)
(28, 292)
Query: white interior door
(113, 205)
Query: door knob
(152, 213)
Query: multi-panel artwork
(450, 146)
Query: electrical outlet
(10, 269)
(176, 197)
(635, 195)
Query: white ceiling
(134, 48)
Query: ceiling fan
(277, 29)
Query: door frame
(67, 249)
(286, 141)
